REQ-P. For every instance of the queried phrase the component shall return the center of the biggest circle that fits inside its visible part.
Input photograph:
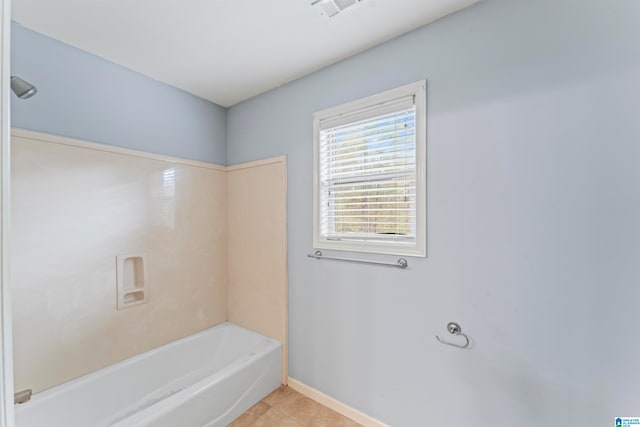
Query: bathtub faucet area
(22, 396)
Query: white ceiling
(225, 50)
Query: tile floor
(288, 408)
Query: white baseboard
(336, 405)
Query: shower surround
(77, 206)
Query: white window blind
(367, 162)
(370, 174)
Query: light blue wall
(83, 96)
(533, 219)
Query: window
(370, 174)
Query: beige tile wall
(73, 211)
(257, 255)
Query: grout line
(280, 412)
(287, 416)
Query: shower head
(22, 89)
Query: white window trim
(419, 90)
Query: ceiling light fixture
(331, 8)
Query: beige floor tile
(251, 416)
(328, 418)
(275, 418)
(277, 395)
(285, 407)
(299, 407)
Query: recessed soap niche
(132, 280)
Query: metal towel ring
(455, 329)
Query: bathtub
(206, 379)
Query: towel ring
(455, 329)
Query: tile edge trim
(255, 163)
(72, 142)
(62, 140)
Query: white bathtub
(206, 379)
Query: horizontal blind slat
(369, 237)
(403, 148)
(330, 211)
(360, 197)
(388, 178)
(389, 154)
(344, 205)
(365, 224)
(335, 194)
(384, 169)
(368, 141)
(375, 167)
(373, 134)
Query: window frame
(419, 248)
